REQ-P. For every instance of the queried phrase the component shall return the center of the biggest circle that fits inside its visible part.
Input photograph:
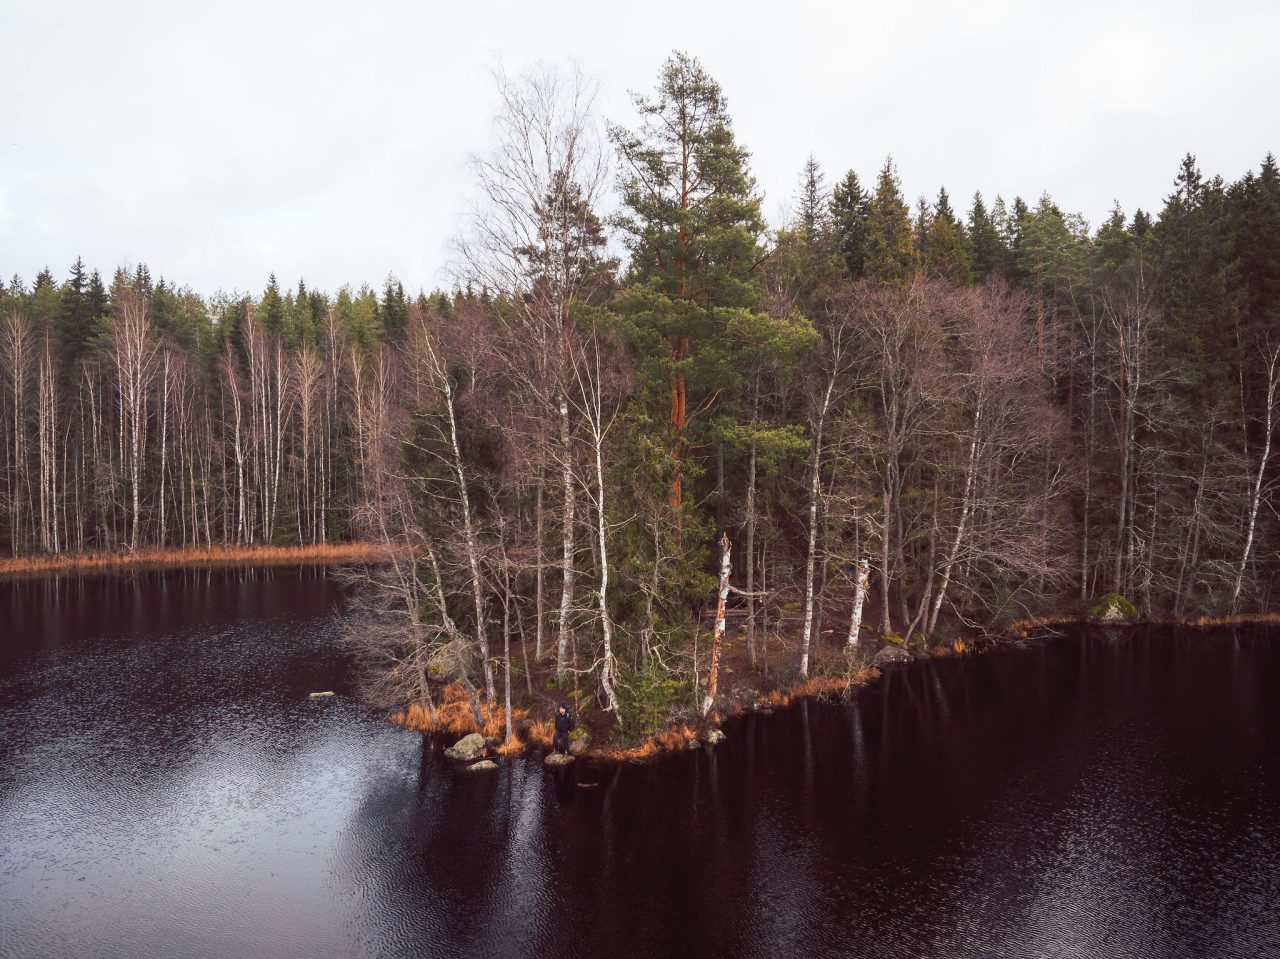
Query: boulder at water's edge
(467, 748)
(1113, 609)
(891, 654)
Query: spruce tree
(271, 307)
(946, 252)
(77, 323)
(1256, 220)
(1201, 299)
(813, 203)
(1114, 244)
(850, 216)
(891, 253)
(393, 314)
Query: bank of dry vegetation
(156, 558)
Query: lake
(167, 788)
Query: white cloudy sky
(220, 141)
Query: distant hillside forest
(1001, 410)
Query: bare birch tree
(533, 239)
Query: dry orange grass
(512, 747)
(1022, 628)
(817, 686)
(829, 685)
(957, 647)
(667, 741)
(218, 556)
(1241, 619)
(539, 735)
(773, 699)
(453, 714)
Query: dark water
(167, 789)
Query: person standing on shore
(564, 725)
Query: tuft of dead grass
(453, 714)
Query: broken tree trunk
(717, 639)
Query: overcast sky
(221, 141)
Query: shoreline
(217, 557)
(1022, 628)
(533, 734)
(454, 715)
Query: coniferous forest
(888, 417)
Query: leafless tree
(533, 240)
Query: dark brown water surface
(168, 789)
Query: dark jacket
(564, 724)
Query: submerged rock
(324, 695)
(713, 736)
(469, 747)
(558, 759)
(482, 764)
(891, 654)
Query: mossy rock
(893, 639)
(1113, 608)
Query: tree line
(952, 418)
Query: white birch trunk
(566, 563)
(966, 509)
(811, 554)
(717, 636)
(608, 668)
(859, 598)
(469, 534)
(1256, 498)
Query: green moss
(893, 638)
(1114, 607)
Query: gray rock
(579, 745)
(467, 748)
(891, 654)
(694, 744)
(482, 764)
(558, 759)
(713, 736)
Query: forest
(883, 419)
